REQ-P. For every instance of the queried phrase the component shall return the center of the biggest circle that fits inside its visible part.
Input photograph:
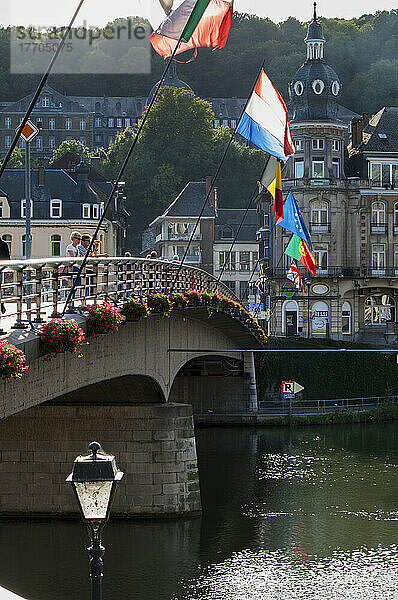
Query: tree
(178, 145)
(17, 160)
(74, 146)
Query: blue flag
(293, 219)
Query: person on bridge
(4, 255)
(72, 249)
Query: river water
(307, 514)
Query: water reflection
(308, 514)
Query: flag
(293, 219)
(265, 122)
(201, 23)
(268, 174)
(157, 10)
(299, 250)
(294, 275)
(275, 189)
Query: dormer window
(299, 145)
(45, 102)
(318, 86)
(86, 211)
(56, 209)
(227, 233)
(8, 122)
(95, 211)
(23, 209)
(336, 145)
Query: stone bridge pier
(136, 398)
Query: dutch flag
(265, 122)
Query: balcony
(192, 260)
(320, 227)
(338, 272)
(378, 228)
(181, 237)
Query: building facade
(94, 121)
(217, 231)
(344, 176)
(61, 203)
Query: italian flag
(299, 250)
(200, 23)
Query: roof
(189, 202)
(57, 184)
(232, 217)
(381, 134)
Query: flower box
(12, 361)
(61, 336)
(102, 319)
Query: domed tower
(316, 88)
(172, 80)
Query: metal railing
(310, 407)
(36, 290)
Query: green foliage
(327, 375)
(17, 160)
(74, 146)
(178, 144)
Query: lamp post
(94, 479)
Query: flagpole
(120, 174)
(232, 137)
(39, 89)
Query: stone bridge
(135, 390)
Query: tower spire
(315, 17)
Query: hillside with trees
(363, 51)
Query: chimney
(41, 173)
(358, 126)
(213, 195)
(208, 183)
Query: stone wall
(212, 393)
(154, 445)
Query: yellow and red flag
(275, 187)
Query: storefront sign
(289, 290)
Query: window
(86, 211)
(83, 124)
(378, 224)
(68, 124)
(227, 233)
(23, 209)
(298, 169)
(319, 216)
(24, 246)
(233, 124)
(111, 122)
(98, 122)
(119, 122)
(55, 209)
(39, 142)
(244, 261)
(51, 124)
(127, 122)
(51, 142)
(384, 175)
(8, 122)
(45, 102)
(318, 144)
(318, 169)
(95, 211)
(336, 145)
(55, 245)
(321, 257)
(379, 309)
(230, 265)
(7, 141)
(7, 238)
(1, 209)
(98, 138)
(83, 140)
(299, 144)
(216, 123)
(336, 168)
(346, 319)
(378, 259)
(395, 259)
(396, 217)
(225, 122)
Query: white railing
(36, 290)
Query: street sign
(289, 396)
(29, 132)
(291, 387)
(288, 290)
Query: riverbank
(384, 412)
